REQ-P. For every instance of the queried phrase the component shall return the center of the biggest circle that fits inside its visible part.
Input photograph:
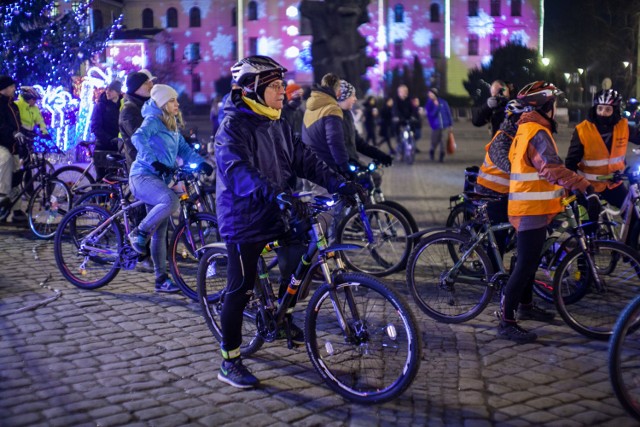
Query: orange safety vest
(597, 160)
(529, 193)
(490, 176)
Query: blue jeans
(161, 202)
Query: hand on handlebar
(297, 207)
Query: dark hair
(331, 80)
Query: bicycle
(91, 247)
(49, 198)
(360, 336)
(452, 278)
(79, 179)
(407, 143)
(624, 364)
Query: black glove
(162, 168)
(297, 207)
(350, 188)
(206, 168)
(385, 159)
(593, 207)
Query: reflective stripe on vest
(529, 193)
(597, 160)
(490, 176)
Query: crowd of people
(271, 135)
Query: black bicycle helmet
(29, 93)
(539, 95)
(607, 97)
(248, 71)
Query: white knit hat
(161, 94)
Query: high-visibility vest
(529, 193)
(490, 176)
(597, 160)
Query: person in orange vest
(599, 145)
(537, 184)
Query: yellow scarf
(263, 110)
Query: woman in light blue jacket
(159, 142)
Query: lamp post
(628, 80)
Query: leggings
(519, 287)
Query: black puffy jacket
(104, 123)
(258, 158)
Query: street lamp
(545, 61)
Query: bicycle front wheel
(375, 356)
(591, 306)
(75, 178)
(212, 284)
(384, 237)
(48, 204)
(624, 364)
(449, 284)
(187, 239)
(87, 262)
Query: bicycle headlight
(352, 167)
(405, 134)
(193, 165)
(372, 166)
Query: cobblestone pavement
(122, 355)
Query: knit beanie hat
(135, 80)
(161, 94)
(346, 90)
(291, 89)
(265, 80)
(115, 85)
(6, 81)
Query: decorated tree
(41, 45)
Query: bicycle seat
(115, 157)
(113, 179)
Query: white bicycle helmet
(515, 107)
(248, 71)
(607, 97)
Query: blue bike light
(372, 166)
(196, 146)
(193, 165)
(330, 202)
(353, 168)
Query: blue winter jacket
(155, 142)
(439, 116)
(257, 159)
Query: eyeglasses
(278, 86)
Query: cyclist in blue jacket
(258, 158)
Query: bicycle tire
(593, 312)
(460, 215)
(454, 302)
(183, 254)
(212, 283)
(381, 358)
(84, 269)
(33, 170)
(100, 197)
(404, 211)
(75, 178)
(48, 204)
(391, 245)
(624, 367)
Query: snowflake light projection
(422, 37)
(221, 45)
(269, 46)
(303, 61)
(399, 30)
(520, 36)
(482, 25)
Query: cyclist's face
(274, 95)
(604, 110)
(173, 107)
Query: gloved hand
(297, 207)
(206, 168)
(162, 168)
(492, 102)
(20, 137)
(350, 188)
(385, 159)
(593, 207)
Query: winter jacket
(156, 143)
(130, 120)
(322, 129)
(30, 116)
(495, 116)
(257, 158)
(9, 123)
(293, 113)
(104, 123)
(439, 115)
(356, 144)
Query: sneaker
(138, 240)
(165, 285)
(297, 335)
(513, 332)
(236, 374)
(534, 312)
(145, 265)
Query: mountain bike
(91, 244)
(624, 358)
(360, 335)
(407, 143)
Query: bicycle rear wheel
(212, 283)
(460, 296)
(87, 263)
(75, 178)
(384, 251)
(183, 250)
(590, 308)
(378, 359)
(624, 363)
(48, 204)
